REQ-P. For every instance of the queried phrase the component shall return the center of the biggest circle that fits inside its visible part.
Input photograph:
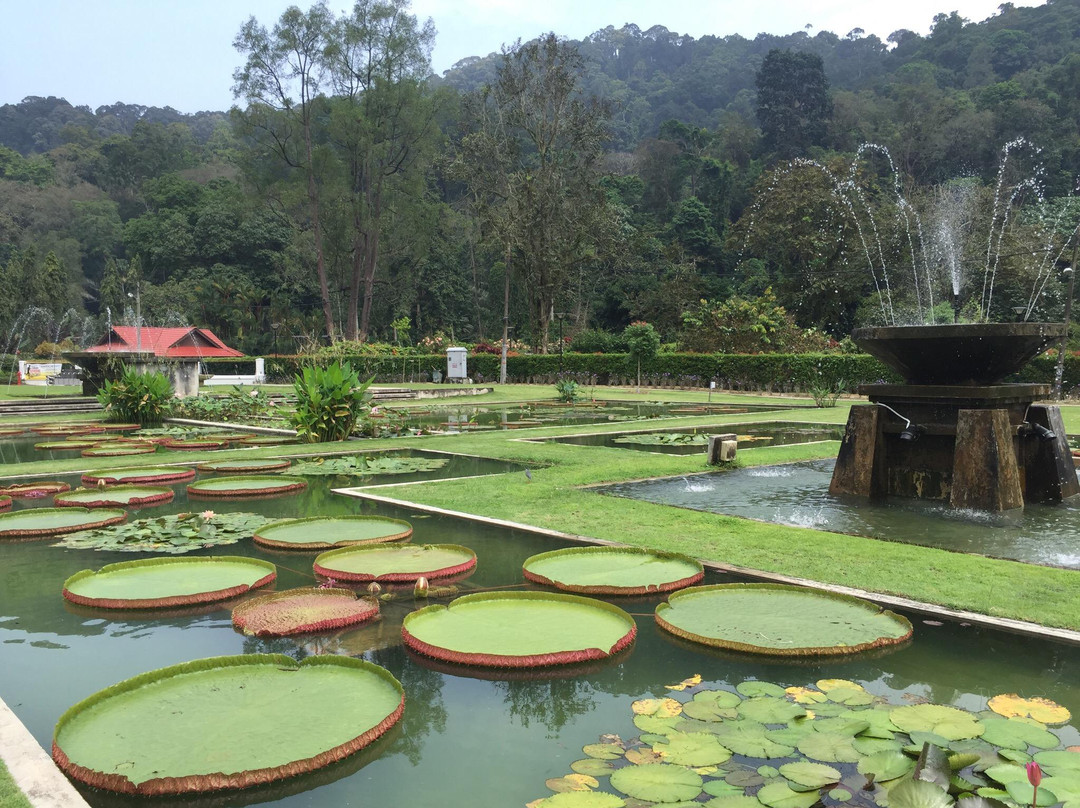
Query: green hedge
(767, 372)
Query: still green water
(464, 741)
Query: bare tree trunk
(320, 263)
(352, 319)
(370, 266)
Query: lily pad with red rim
(253, 486)
(65, 445)
(395, 563)
(161, 583)
(519, 630)
(39, 523)
(156, 723)
(194, 444)
(780, 620)
(267, 440)
(330, 532)
(5, 502)
(115, 496)
(612, 570)
(34, 490)
(119, 451)
(11, 433)
(297, 611)
(144, 474)
(245, 466)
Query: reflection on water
(465, 741)
(798, 494)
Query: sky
(179, 53)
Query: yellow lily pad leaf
(685, 683)
(825, 685)
(660, 708)
(806, 695)
(1011, 705)
(642, 756)
(572, 782)
(705, 769)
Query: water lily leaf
(592, 767)
(754, 688)
(918, 794)
(685, 683)
(995, 794)
(722, 788)
(572, 782)
(662, 782)
(1066, 787)
(749, 738)
(810, 775)
(794, 732)
(650, 738)
(829, 747)
(693, 749)
(643, 756)
(949, 722)
(871, 746)
(828, 709)
(657, 726)
(806, 695)
(693, 725)
(886, 765)
(706, 770)
(933, 766)
(1023, 792)
(851, 696)
(841, 725)
(961, 760)
(1018, 733)
(881, 726)
(744, 778)
(1044, 710)
(1006, 773)
(780, 795)
(603, 751)
(979, 802)
(770, 710)
(721, 698)
(920, 739)
(581, 799)
(768, 772)
(175, 535)
(827, 685)
(1059, 762)
(731, 802)
(1016, 756)
(708, 711)
(661, 708)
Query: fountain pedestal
(974, 444)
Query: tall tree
(379, 58)
(280, 82)
(793, 104)
(533, 157)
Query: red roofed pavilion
(168, 343)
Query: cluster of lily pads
(764, 745)
(176, 534)
(366, 465)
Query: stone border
(893, 601)
(33, 771)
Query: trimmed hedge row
(766, 372)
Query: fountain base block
(977, 446)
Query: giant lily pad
(267, 440)
(245, 466)
(117, 496)
(612, 570)
(296, 611)
(149, 735)
(658, 782)
(65, 445)
(519, 629)
(395, 563)
(119, 451)
(329, 532)
(5, 502)
(144, 474)
(38, 523)
(778, 619)
(195, 444)
(158, 583)
(174, 534)
(240, 487)
(34, 490)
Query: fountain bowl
(958, 354)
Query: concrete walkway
(31, 767)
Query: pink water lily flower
(207, 515)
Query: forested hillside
(715, 187)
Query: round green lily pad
(296, 611)
(950, 723)
(195, 444)
(5, 502)
(119, 451)
(267, 440)
(612, 570)
(254, 486)
(519, 629)
(692, 749)
(658, 782)
(41, 522)
(149, 735)
(65, 445)
(244, 466)
(118, 427)
(329, 532)
(582, 799)
(395, 563)
(779, 620)
(158, 583)
(34, 490)
(11, 433)
(116, 496)
(145, 474)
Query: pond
(464, 741)
(798, 494)
(694, 440)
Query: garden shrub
(329, 401)
(141, 398)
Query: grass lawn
(10, 795)
(556, 499)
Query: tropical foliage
(141, 398)
(329, 401)
(175, 535)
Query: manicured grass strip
(10, 795)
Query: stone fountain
(953, 431)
